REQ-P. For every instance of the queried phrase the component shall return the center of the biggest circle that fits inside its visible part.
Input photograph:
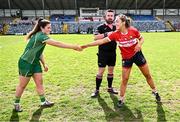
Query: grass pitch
(71, 80)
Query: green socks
(42, 98)
(17, 100)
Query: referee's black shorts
(138, 59)
(106, 58)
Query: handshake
(80, 48)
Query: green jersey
(34, 47)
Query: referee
(106, 52)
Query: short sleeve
(137, 33)
(42, 38)
(112, 36)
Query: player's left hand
(84, 46)
(46, 68)
(137, 48)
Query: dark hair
(125, 19)
(109, 10)
(41, 23)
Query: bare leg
(37, 77)
(101, 71)
(23, 81)
(110, 69)
(40, 90)
(22, 85)
(125, 78)
(145, 71)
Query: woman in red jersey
(129, 41)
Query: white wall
(121, 11)
(145, 12)
(1, 12)
(171, 11)
(8, 12)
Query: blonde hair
(125, 19)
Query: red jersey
(126, 42)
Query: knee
(39, 83)
(100, 74)
(21, 87)
(110, 71)
(39, 86)
(125, 80)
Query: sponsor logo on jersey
(128, 43)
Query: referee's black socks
(110, 80)
(98, 81)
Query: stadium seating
(62, 18)
(149, 25)
(143, 17)
(86, 27)
(175, 20)
(20, 28)
(1, 28)
(56, 27)
(176, 25)
(6, 20)
(67, 24)
(170, 18)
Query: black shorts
(106, 58)
(138, 59)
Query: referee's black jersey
(110, 46)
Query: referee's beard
(110, 21)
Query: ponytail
(128, 22)
(41, 23)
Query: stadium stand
(20, 28)
(62, 18)
(85, 26)
(1, 28)
(149, 25)
(174, 20)
(143, 17)
(66, 18)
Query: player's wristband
(105, 34)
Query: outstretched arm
(62, 45)
(101, 36)
(97, 42)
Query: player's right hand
(78, 48)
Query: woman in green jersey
(29, 62)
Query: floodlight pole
(136, 6)
(106, 4)
(164, 5)
(43, 8)
(75, 5)
(9, 3)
